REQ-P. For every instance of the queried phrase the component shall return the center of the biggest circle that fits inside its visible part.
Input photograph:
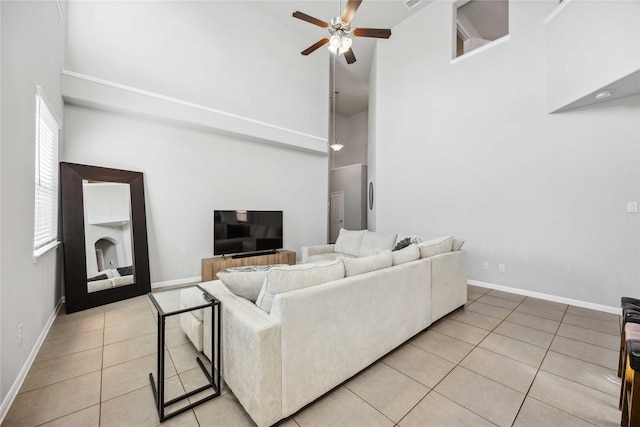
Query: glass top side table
(169, 303)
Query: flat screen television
(246, 232)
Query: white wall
(372, 132)
(190, 172)
(352, 133)
(221, 55)
(32, 54)
(573, 47)
(225, 55)
(467, 148)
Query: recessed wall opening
(479, 22)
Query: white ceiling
(352, 81)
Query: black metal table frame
(213, 378)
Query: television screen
(246, 231)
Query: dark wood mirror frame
(73, 231)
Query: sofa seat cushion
(436, 246)
(246, 281)
(327, 257)
(355, 266)
(292, 277)
(122, 281)
(407, 254)
(99, 285)
(348, 242)
(373, 242)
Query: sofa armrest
(448, 282)
(251, 354)
(308, 251)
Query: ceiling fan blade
(349, 56)
(315, 46)
(310, 19)
(378, 33)
(350, 10)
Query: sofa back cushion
(355, 266)
(407, 254)
(348, 242)
(372, 243)
(292, 277)
(457, 244)
(246, 281)
(436, 246)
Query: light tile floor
(503, 360)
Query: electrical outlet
(20, 334)
(502, 268)
(485, 266)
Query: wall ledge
(555, 11)
(88, 91)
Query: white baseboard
(548, 297)
(185, 281)
(13, 391)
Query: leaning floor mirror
(106, 257)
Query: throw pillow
(408, 254)
(348, 242)
(436, 246)
(373, 242)
(355, 266)
(412, 238)
(125, 271)
(402, 244)
(98, 277)
(292, 277)
(246, 281)
(457, 244)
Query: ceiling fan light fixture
(345, 44)
(334, 43)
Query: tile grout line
(550, 373)
(104, 327)
(538, 369)
(454, 367)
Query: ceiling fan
(340, 30)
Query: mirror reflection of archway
(107, 254)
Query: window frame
(46, 160)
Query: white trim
(462, 31)
(185, 281)
(13, 391)
(348, 166)
(548, 297)
(555, 11)
(84, 90)
(481, 48)
(45, 250)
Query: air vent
(412, 3)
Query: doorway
(337, 214)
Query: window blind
(46, 175)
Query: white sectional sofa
(313, 326)
(113, 280)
